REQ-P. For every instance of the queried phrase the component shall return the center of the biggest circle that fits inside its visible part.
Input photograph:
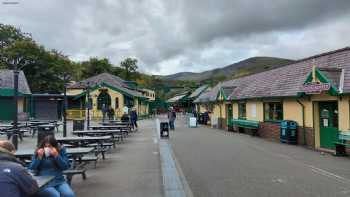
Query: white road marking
(329, 174)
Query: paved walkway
(132, 169)
(218, 163)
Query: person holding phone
(50, 159)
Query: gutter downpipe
(303, 117)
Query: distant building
(105, 89)
(7, 102)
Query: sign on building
(315, 87)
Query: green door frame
(229, 113)
(328, 114)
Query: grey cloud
(190, 35)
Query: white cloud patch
(183, 35)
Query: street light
(66, 77)
(89, 105)
(17, 60)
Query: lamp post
(89, 104)
(65, 110)
(15, 119)
(66, 77)
(16, 60)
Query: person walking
(171, 117)
(133, 118)
(15, 180)
(110, 113)
(104, 110)
(50, 159)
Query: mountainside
(239, 69)
(177, 76)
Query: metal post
(88, 105)
(65, 111)
(15, 119)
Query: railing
(75, 114)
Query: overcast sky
(169, 36)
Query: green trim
(10, 92)
(103, 84)
(221, 92)
(323, 78)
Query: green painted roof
(9, 92)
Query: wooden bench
(71, 172)
(342, 143)
(105, 145)
(89, 159)
(253, 125)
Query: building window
(273, 111)
(242, 112)
(116, 102)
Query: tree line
(47, 70)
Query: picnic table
(99, 142)
(83, 141)
(43, 180)
(71, 152)
(114, 123)
(78, 161)
(124, 127)
(115, 134)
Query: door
(229, 114)
(328, 124)
(103, 99)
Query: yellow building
(313, 91)
(104, 90)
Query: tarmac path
(217, 163)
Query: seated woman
(50, 159)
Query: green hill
(239, 69)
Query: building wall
(74, 91)
(20, 104)
(235, 110)
(202, 108)
(114, 94)
(343, 108)
(254, 106)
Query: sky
(170, 36)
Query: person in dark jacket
(51, 159)
(15, 181)
(110, 113)
(133, 118)
(171, 117)
(125, 118)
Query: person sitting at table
(14, 178)
(50, 159)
